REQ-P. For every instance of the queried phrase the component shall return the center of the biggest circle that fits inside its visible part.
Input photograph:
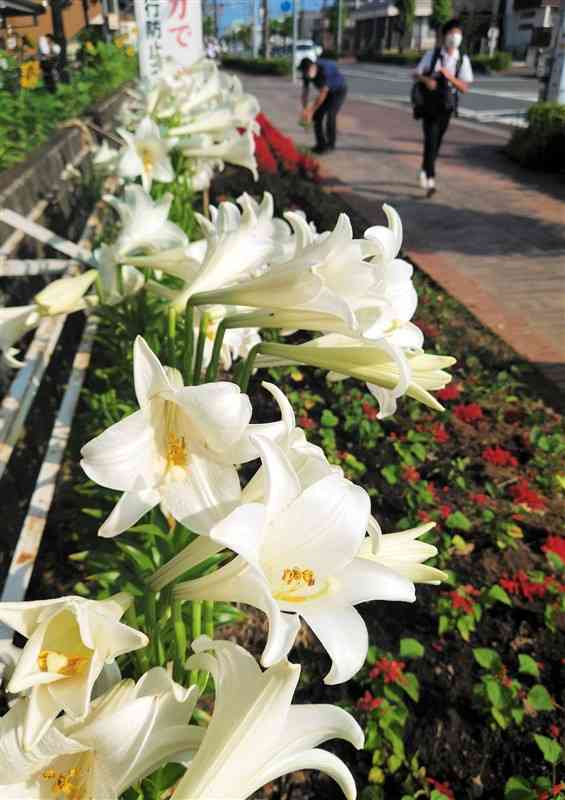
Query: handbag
(432, 102)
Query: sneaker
(431, 187)
(423, 179)
(319, 149)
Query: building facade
(377, 28)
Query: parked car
(306, 48)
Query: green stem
(200, 348)
(152, 628)
(171, 336)
(139, 656)
(180, 640)
(212, 371)
(247, 368)
(188, 343)
(209, 618)
(196, 632)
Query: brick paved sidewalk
(494, 234)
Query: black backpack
(433, 102)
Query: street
(503, 99)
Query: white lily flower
(390, 372)
(403, 553)
(114, 290)
(105, 159)
(178, 450)
(308, 461)
(62, 296)
(145, 224)
(256, 220)
(256, 734)
(69, 641)
(128, 733)
(146, 154)
(201, 177)
(298, 558)
(238, 149)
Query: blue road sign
(286, 5)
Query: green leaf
(528, 666)
(518, 789)
(499, 718)
(411, 648)
(390, 474)
(328, 419)
(458, 521)
(494, 692)
(394, 763)
(497, 593)
(411, 686)
(550, 748)
(419, 451)
(539, 698)
(489, 659)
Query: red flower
(431, 487)
(423, 516)
(370, 411)
(480, 499)
(520, 584)
(368, 702)
(410, 474)
(266, 161)
(523, 495)
(442, 788)
(468, 413)
(440, 434)
(554, 731)
(307, 422)
(461, 600)
(445, 511)
(555, 544)
(449, 392)
(428, 329)
(390, 670)
(499, 457)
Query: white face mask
(453, 40)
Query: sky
(230, 11)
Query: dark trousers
(48, 66)
(434, 130)
(326, 134)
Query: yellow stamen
(176, 451)
(66, 784)
(148, 160)
(51, 661)
(298, 576)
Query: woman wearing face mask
(443, 72)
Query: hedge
(258, 66)
(482, 64)
(542, 144)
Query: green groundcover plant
(29, 116)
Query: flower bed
(458, 693)
(276, 153)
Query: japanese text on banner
(168, 29)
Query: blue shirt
(327, 75)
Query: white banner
(168, 29)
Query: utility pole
(254, 39)
(266, 42)
(294, 37)
(556, 88)
(216, 19)
(58, 24)
(339, 27)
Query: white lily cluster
(297, 540)
(200, 113)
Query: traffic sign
(286, 5)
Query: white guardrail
(18, 401)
